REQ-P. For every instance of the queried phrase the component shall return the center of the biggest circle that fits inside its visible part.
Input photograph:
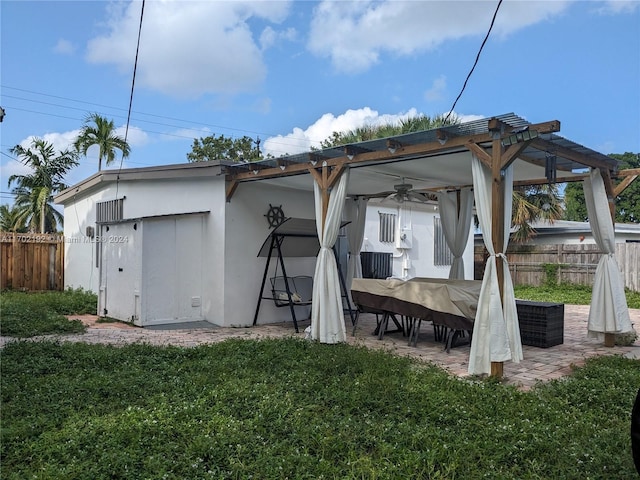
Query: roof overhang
(160, 172)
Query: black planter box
(541, 323)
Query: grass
(26, 314)
(570, 294)
(290, 408)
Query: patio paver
(539, 364)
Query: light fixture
(393, 146)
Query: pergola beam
(427, 148)
(586, 160)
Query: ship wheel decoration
(275, 216)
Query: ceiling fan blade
(418, 197)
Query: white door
(172, 269)
(120, 270)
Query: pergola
(489, 156)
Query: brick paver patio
(539, 364)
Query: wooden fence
(31, 261)
(531, 264)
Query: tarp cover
(453, 297)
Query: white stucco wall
(246, 228)
(145, 199)
(232, 234)
(416, 261)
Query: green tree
(531, 204)
(627, 203)
(34, 191)
(99, 131)
(11, 220)
(224, 148)
(370, 132)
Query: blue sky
(291, 73)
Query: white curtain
(608, 312)
(456, 223)
(327, 318)
(356, 213)
(496, 333)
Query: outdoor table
(449, 304)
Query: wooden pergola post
(497, 162)
(325, 181)
(497, 223)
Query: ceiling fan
(403, 192)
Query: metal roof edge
(156, 172)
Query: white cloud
(614, 7)
(64, 47)
(60, 141)
(270, 37)
(354, 34)
(135, 137)
(437, 90)
(12, 167)
(300, 140)
(190, 48)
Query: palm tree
(34, 191)
(370, 132)
(533, 203)
(10, 219)
(99, 131)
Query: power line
(192, 122)
(133, 83)
(474, 63)
(273, 142)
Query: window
(109, 211)
(442, 256)
(387, 232)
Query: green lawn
(296, 409)
(290, 408)
(567, 293)
(29, 314)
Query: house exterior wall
(150, 198)
(418, 222)
(246, 228)
(231, 235)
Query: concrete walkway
(539, 364)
